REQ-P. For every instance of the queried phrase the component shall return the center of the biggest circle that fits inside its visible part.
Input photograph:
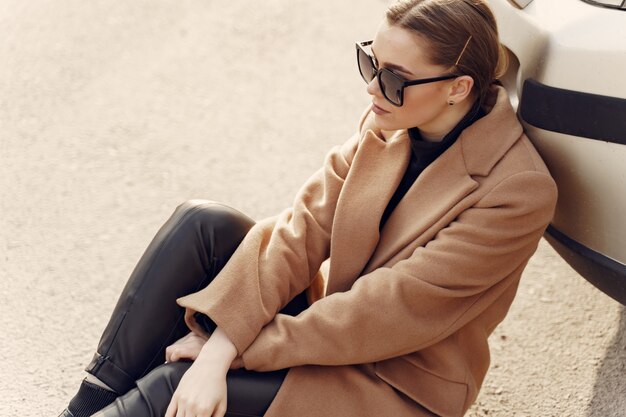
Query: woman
(429, 214)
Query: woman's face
(425, 105)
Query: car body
(567, 77)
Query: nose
(373, 88)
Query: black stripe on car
(574, 113)
(605, 273)
(607, 4)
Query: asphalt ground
(114, 112)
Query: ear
(461, 88)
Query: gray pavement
(114, 112)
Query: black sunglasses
(392, 85)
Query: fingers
(181, 413)
(174, 409)
(187, 347)
(171, 353)
(172, 347)
(175, 353)
(171, 408)
(220, 411)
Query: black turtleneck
(423, 153)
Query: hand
(202, 390)
(187, 347)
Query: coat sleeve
(424, 298)
(277, 259)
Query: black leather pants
(184, 256)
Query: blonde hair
(462, 35)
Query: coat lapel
(356, 245)
(449, 179)
(433, 194)
(374, 176)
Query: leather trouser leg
(184, 256)
(248, 393)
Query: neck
(437, 129)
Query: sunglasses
(392, 85)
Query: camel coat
(400, 324)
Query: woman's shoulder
(522, 175)
(497, 141)
(497, 151)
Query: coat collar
(485, 142)
(377, 170)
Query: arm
(277, 259)
(191, 345)
(423, 299)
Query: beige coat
(405, 315)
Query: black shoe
(89, 400)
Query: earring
(451, 103)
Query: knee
(193, 206)
(152, 395)
(163, 377)
(213, 216)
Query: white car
(567, 77)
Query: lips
(378, 110)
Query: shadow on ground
(609, 390)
